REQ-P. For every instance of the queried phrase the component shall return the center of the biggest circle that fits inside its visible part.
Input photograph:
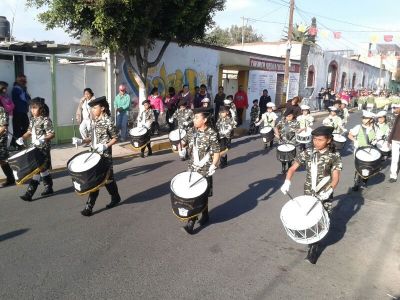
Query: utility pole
(287, 59)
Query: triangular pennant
(337, 34)
(388, 38)
(312, 31)
(374, 39)
(302, 28)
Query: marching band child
(146, 119)
(232, 108)
(285, 131)
(334, 121)
(41, 132)
(268, 119)
(306, 120)
(224, 127)
(343, 107)
(382, 128)
(4, 148)
(321, 161)
(183, 116)
(103, 136)
(362, 136)
(254, 114)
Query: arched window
(343, 81)
(332, 75)
(353, 81)
(311, 76)
(363, 81)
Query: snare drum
(27, 163)
(140, 137)
(339, 141)
(175, 137)
(286, 152)
(88, 176)
(384, 147)
(303, 228)
(367, 161)
(186, 201)
(304, 137)
(267, 134)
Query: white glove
(76, 141)
(144, 126)
(20, 141)
(100, 148)
(185, 123)
(355, 144)
(325, 195)
(171, 120)
(39, 142)
(211, 170)
(373, 143)
(182, 153)
(285, 187)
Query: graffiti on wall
(158, 77)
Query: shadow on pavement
(12, 234)
(139, 170)
(238, 142)
(150, 194)
(246, 157)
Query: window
(311, 76)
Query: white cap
(395, 105)
(205, 100)
(270, 104)
(304, 107)
(227, 101)
(368, 114)
(345, 102)
(332, 108)
(382, 113)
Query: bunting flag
(324, 33)
(312, 31)
(337, 34)
(374, 39)
(388, 38)
(301, 28)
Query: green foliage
(299, 36)
(231, 36)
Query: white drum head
(137, 131)
(79, 165)
(21, 153)
(339, 138)
(293, 213)
(286, 147)
(383, 146)
(177, 134)
(368, 154)
(306, 133)
(265, 130)
(180, 185)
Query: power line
(271, 12)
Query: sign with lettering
(273, 66)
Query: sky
(357, 20)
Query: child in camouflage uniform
(203, 145)
(286, 131)
(103, 136)
(224, 128)
(146, 119)
(306, 121)
(183, 116)
(254, 114)
(4, 150)
(232, 108)
(321, 161)
(41, 132)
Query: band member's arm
(49, 133)
(335, 178)
(215, 159)
(292, 170)
(2, 129)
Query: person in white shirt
(83, 116)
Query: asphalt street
(138, 249)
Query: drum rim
(367, 147)
(80, 153)
(183, 134)
(18, 154)
(294, 147)
(140, 129)
(173, 180)
(266, 127)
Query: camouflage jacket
(287, 130)
(335, 122)
(254, 113)
(103, 131)
(206, 143)
(145, 117)
(40, 127)
(233, 112)
(3, 122)
(224, 127)
(184, 117)
(327, 162)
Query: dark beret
(102, 101)
(323, 130)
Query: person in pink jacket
(8, 105)
(157, 106)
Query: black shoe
(150, 153)
(142, 154)
(8, 183)
(356, 188)
(392, 180)
(183, 158)
(204, 218)
(32, 187)
(87, 211)
(312, 254)
(48, 186)
(114, 202)
(190, 225)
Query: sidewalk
(60, 154)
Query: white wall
(230, 86)
(7, 72)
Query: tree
(231, 36)
(132, 27)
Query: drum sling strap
(198, 164)
(365, 135)
(314, 171)
(289, 135)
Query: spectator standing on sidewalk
(171, 102)
(241, 102)
(200, 96)
(264, 99)
(21, 98)
(83, 116)
(185, 95)
(8, 105)
(122, 105)
(157, 106)
(219, 100)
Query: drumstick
(190, 175)
(291, 198)
(196, 182)
(89, 156)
